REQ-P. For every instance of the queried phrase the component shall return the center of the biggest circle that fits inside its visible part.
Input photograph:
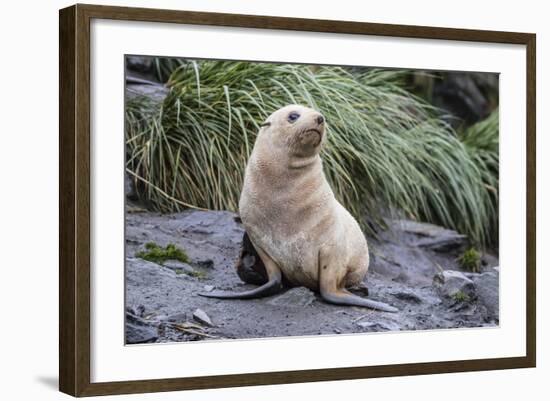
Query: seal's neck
(302, 163)
(273, 161)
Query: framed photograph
(250, 200)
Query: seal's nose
(320, 120)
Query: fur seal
(300, 231)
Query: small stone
(176, 317)
(200, 316)
(205, 263)
(407, 296)
(208, 288)
(138, 331)
(295, 297)
(452, 282)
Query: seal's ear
(266, 124)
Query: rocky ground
(413, 267)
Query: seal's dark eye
(293, 116)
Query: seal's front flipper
(331, 286)
(272, 287)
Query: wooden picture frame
(74, 200)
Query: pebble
(200, 316)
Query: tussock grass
(386, 149)
(482, 144)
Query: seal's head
(299, 129)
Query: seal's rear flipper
(273, 286)
(345, 298)
(270, 288)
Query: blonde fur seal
(289, 211)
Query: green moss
(470, 260)
(158, 254)
(461, 296)
(199, 274)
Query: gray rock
(200, 316)
(466, 96)
(139, 64)
(205, 263)
(488, 261)
(407, 296)
(487, 289)
(431, 236)
(137, 88)
(138, 331)
(136, 334)
(148, 273)
(379, 325)
(130, 187)
(404, 263)
(295, 297)
(452, 282)
(208, 288)
(141, 67)
(176, 317)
